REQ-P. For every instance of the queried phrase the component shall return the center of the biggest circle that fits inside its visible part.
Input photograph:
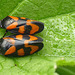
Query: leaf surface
(58, 34)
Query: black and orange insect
(20, 45)
(21, 25)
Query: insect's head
(0, 24)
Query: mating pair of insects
(23, 43)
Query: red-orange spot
(21, 52)
(22, 17)
(32, 38)
(33, 48)
(12, 26)
(15, 18)
(19, 37)
(35, 28)
(11, 50)
(21, 29)
(11, 40)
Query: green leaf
(66, 70)
(58, 34)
